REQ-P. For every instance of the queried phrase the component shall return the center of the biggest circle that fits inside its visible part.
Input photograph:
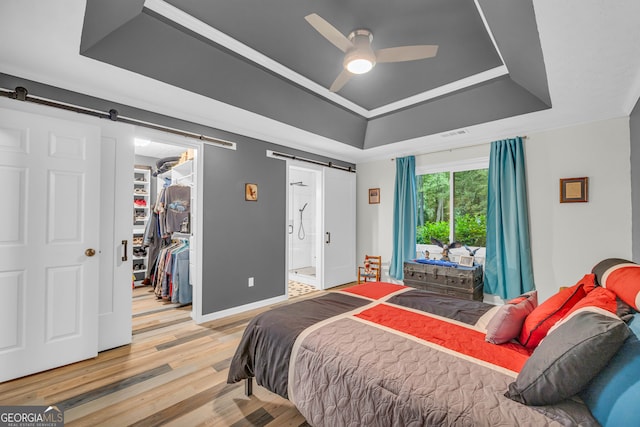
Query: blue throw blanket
(436, 262)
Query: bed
(381, 354)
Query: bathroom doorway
(304, 215)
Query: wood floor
(174, 373)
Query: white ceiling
(158, 150)
(591, 51)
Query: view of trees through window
(469, 207)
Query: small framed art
(374, 196)
(251, 192)
(574, 190)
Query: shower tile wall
(302, 243)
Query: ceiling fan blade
(406, 53)
(340, 81)
(329, 32)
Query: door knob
(90, 252)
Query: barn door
(339, 248)
(49, 229)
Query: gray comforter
(346, 371)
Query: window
(459, 193)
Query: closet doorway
(304, 228)
(164, 237)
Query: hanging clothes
(171, 277)
(182, 290)
(154, 236)
(178, 208)
(152, 240)
(169, 266)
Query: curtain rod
(451, 149)
(315, 162)
(21, 94)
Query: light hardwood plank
(173, 373)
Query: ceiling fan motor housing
(361, 50)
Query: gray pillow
(568, 358)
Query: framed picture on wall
(251, 192)
(374, 196)
(466, 261)
(574, 190)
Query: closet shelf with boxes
(141, 194)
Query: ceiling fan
(359, 56)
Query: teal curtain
(404, 216)
(508, 271)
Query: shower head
(299, 184)
(303, 208)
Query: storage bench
(461, 282)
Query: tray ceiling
(265, 58)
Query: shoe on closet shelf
(139, 252)
(140, 191)
(140, 202)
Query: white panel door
(50, 171)
(116, 160)
(339, 248)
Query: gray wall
(242, 239)
(634, 125)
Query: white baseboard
(237, 310)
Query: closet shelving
(141, 206)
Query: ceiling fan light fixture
(359, 66)
(359, 56)
(359, 60)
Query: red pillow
(599, 297)
(589, 282)
(543, 317)
(624, 280)
(598, 300)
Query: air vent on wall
(456, 132)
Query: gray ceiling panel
(152, 48)
(157, 47)
(278, 30)
(523, 54)
(494, 100)
(101, 18)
